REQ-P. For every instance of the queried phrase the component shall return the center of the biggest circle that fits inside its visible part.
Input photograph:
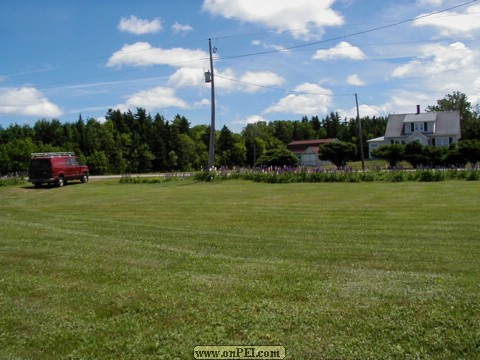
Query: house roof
(378, 139)
(311, 142)
(446, 123)
(394, 125)
(302, 145)
(425, 117)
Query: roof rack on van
(52, 154)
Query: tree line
(137, 142)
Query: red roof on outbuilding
(302, 145)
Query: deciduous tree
(338, 153)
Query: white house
(433, 128)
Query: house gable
(418, 136)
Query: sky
(272, 59)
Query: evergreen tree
(159, 143)
(225, 146)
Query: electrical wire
(280, 89)
(348, 35)
(282, 49)
(290, 48)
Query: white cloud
(179, 28)
(138, 26)
(401, 101)
(343, 50)
(439, 70)
(308, 99)
(186, 77)
(252, 119)
(143, 54)
(436, 59)
(430, 2)
(203, 102)
(404, 101)
(265, 78)
(453, 23)
(193, 77)
(249, 82)
(269, 46)
(302, 18)
(154, 99)
(227, 80)
(27, 101)
(364, 110)
(355, 80)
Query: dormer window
(419, 126)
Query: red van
(56, 168)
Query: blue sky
(274, 59)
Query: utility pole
(360, 134)
(211, 151)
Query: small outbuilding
(307, 151)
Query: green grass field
(329, 271)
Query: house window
(419, 127)
(442, 141)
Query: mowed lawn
(329, 271)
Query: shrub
(431, 175)
(13, 180)
(149, 180)
(473, 175)
(397, 176)
(367, 176)
(204, 176)
(278, 157)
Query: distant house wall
(310, 157)
(374, 144)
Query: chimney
(418, 109)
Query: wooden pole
(211, 151)
(360, 134)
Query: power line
(255, 53)
(294, 47)
(348, 35)
(280, 89)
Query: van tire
(60, 181)
(84, 178)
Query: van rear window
(40, 164)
